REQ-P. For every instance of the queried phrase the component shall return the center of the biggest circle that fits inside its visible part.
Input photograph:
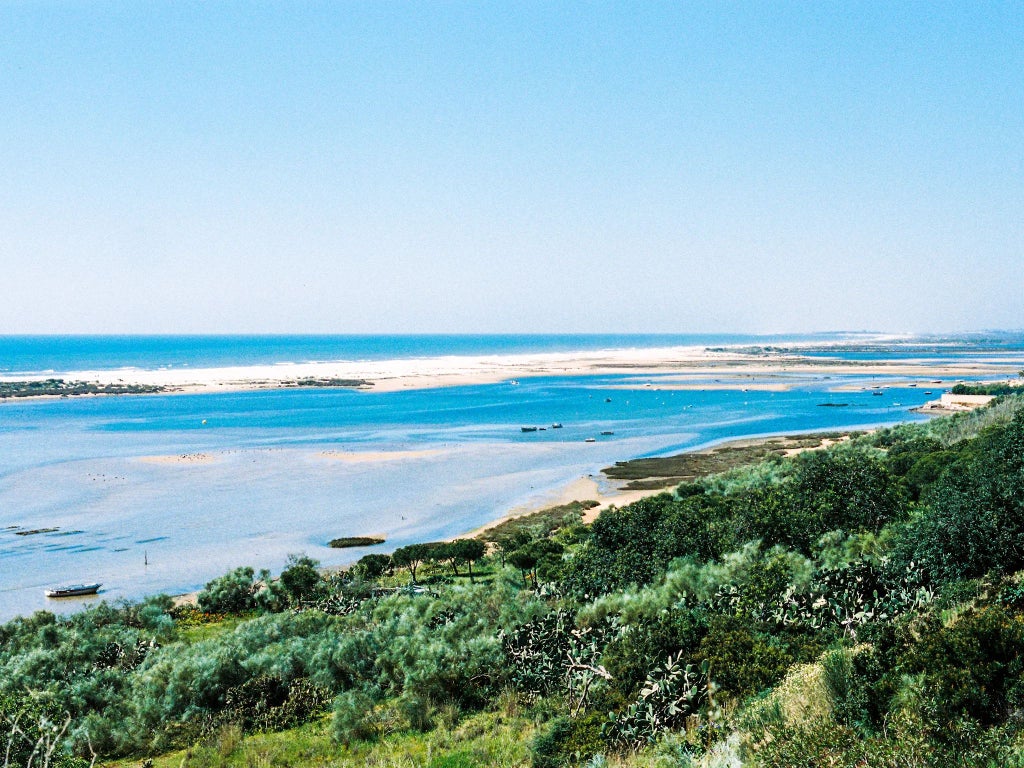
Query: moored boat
(73, 590)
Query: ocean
(26, 355)
(160, 493)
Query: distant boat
(607, 399)
(927, 391)
(590, 440)
(878, 394)
(73, 590)
(528, 429)
(557, 425)
(607, 432)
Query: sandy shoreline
(696, 367)
(587, 487)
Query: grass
(498, 738)
(194, 632)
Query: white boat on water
(73, 590)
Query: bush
(300, 578)
(234, 592)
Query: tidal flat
(166, 492)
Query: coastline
(587, 487)
(677, 368)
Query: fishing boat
(607, 432)
(590, 440)
(528, 429)
(73, 590)
(557, 425)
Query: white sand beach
(697, 367)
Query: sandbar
(696, 367)
(367, 457)
(181, 458)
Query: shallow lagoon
(275, 473)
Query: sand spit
(735, 369)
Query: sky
(447, 167)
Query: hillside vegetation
(861, 605)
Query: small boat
(878, 394)
(528, 429)
(590, 440)
(73, 590)
(557, 425)
(927, 391)
(607, 399)
(607, 432)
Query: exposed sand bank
(368, 457)
(183, 458)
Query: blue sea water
(34, 354)
(287, 470)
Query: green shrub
(234, 592)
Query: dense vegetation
(355, 541)
(861, 605)
(659, 472)
(314, 382)
(995, 388)
(62, 388)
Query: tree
(411, 557)
(527, 558)
(300, 578)
(467, 551)
(443, 551)
(373, 566)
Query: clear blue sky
(524, 167)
